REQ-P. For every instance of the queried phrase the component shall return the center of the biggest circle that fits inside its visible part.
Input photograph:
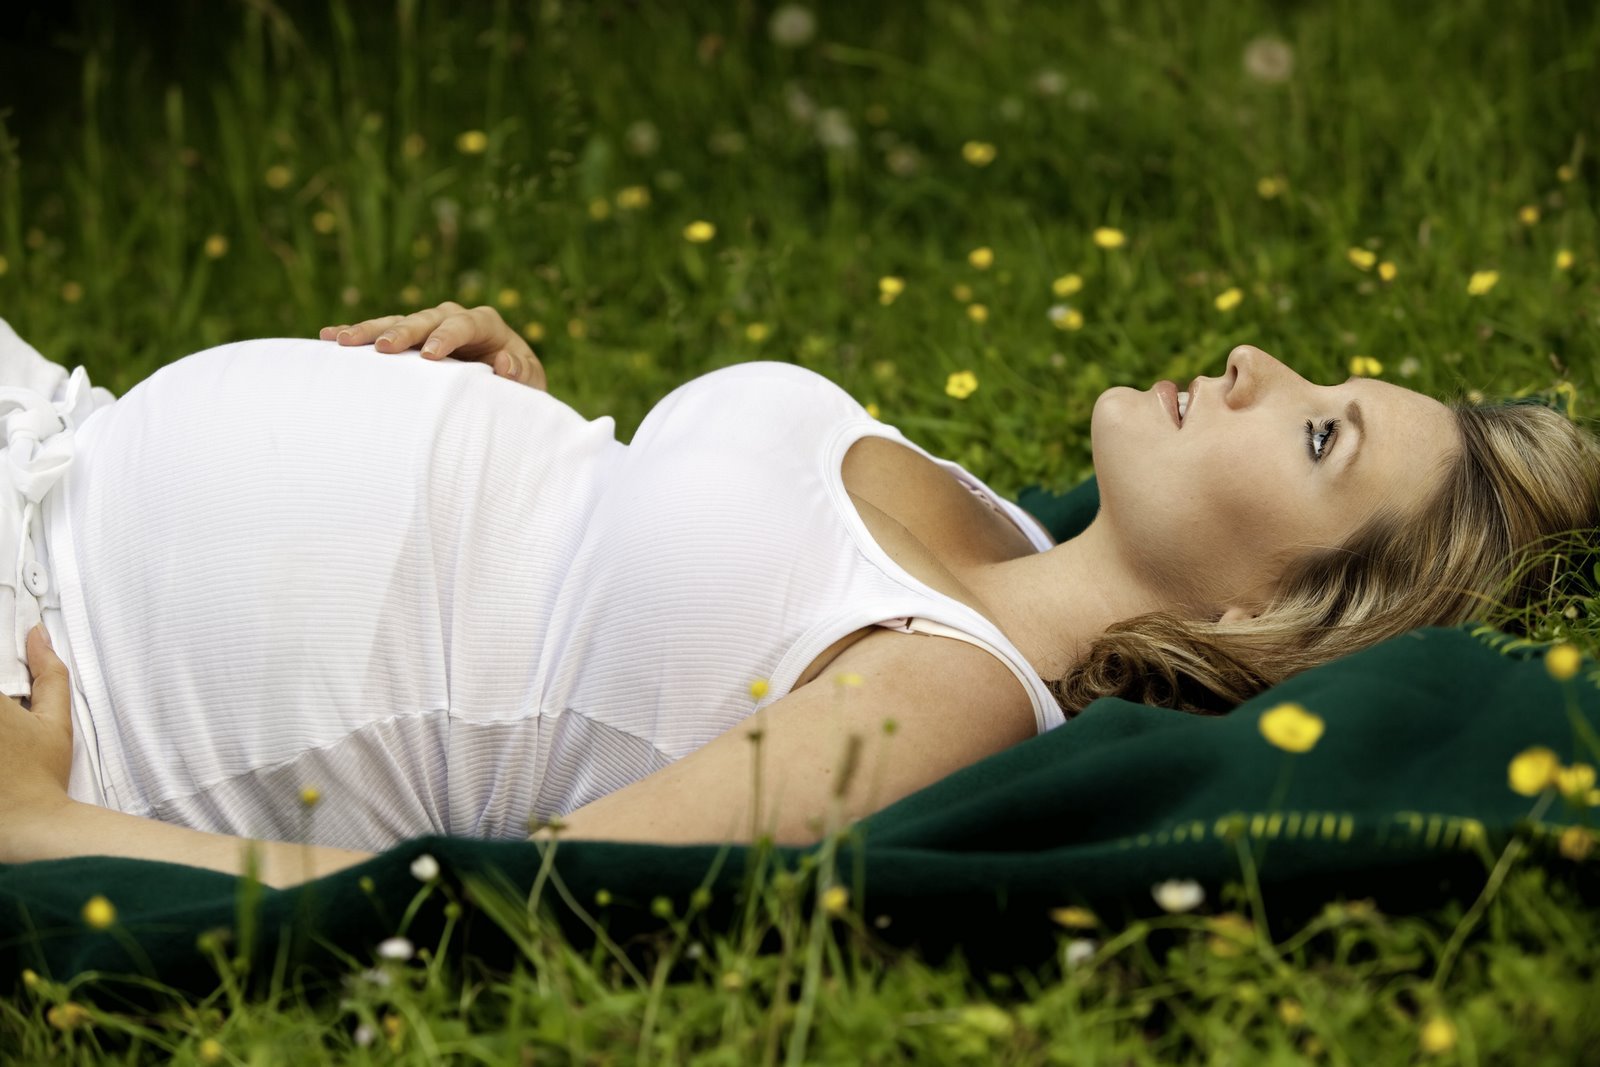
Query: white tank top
(447, 601)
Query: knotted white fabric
(41, 406)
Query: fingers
(362, 333)
(52, 687)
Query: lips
(1167, 393)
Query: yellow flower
(99, 913)
(508, 298)
(962, 292)
(1563, 661)
(30, 978)
(1291, 727)
(1269, 187)
(978, 313)
(599, 209)
(1482, 281)
(414, 145)
(216, 246)
(1066, 285)
(278, 176)
(68, 1016)
(1229, 299)
(1109, 237)
(759, 688)
(981, 258)
(1563, 259)
(732, 981)
(1066, 317)
(1291, 1011)
(324, 222)
(577, 329)
(310, 796)
(961, 384)
(71, 292)
(472, 142)
(1575, 780)
(889, 288)
(872, 408)
(533, 331)
(210, 1051)
(1365, 367)
(757, 332)
(1231, 934)
(978, 153)
(1362, 258)
(835, 899)
(1565, 172)
(1387, 271)
(1532, 770)
(1074, 918)
(633, 197)
(1576, 842)
(699, 232)
(1528, 214)
(1438, 1036)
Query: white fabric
(446, 600)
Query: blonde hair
(1525, 475)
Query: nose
(1250, 373)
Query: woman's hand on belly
(36, 741)
(471, 335)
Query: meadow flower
(633, 197)
(978, 153)
(472, 142)
(99, 913)
(1482, 281)
(835, 899)
(1576, 842)
(67, 1016)
(1438, 1036)
(1269, 187)
(759, 688)
(1563, 260)
(642, 138)
(425, 868)
(732, 981)
(1387, 271)
(1563, 661)
(1178, 895)
(1066, 285)
(961, 384)
(903, 161)
(210, 1051)
(30, 978)
(1269, 60)
(602, 897)
(1291, 1011)
(508, 298)
(1079, 950)
(872, 408)
(1575, 780)
(71, 292)
(834, 129)
(1231, 934)
(1365, 367)
(756, 332)
(792, 26)
(1410, 366)
(1229, 299)
(1049, 82)
(216, 246)
(398, 949)
(1074, 918)
(533, 332)
(978, 313)
(1528, 214)
(982, 258)
(962, 292)
(699, 232)
(1532, 770)
(5, 265)
(1362, 258)
(889, 288)
(1565, 172)
(599, 209)
(278, 176)
(1109, 237)
(364, 1035)
(1065, 317)
(1291, 727)
(310, 796)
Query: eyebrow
(1352, 412)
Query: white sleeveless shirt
(447, 601)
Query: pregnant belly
(287, 547)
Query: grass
(262, 170)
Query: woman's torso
(450, 603)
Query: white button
(38, 581)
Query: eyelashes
(1317, 440)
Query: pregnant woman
(424, 588)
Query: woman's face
(1211, 511)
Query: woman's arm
(824, 753)
(41, 822)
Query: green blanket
(1404, 798)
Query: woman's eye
(1317, 440)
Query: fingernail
(430, 348)
(343, 334)
(44, 633)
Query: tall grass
(262, 169)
